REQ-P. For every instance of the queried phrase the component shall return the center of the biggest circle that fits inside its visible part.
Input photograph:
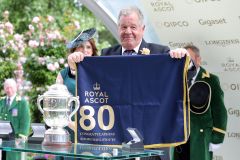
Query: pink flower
(50, 18)
(18, 37)
(51, 67)
(57, 34)
(22, 59)
(51, 36)
(33, 43)
(1, 26)
(9, 27)
(41, 60)
(40, 26)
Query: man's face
(130, 31)
(196, 58)
(10, 89)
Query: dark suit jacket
(154, 49)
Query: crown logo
(96, 87)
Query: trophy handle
(40, 98)
(75, 99)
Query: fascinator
(82, 37)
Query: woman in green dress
(82, 43)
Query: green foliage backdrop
(33, 35)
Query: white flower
(77, 24)
(61, 60)
(31, 27)
(56, 65)
(6, 14)
(145, 51)
(35, 20)
(65, 65)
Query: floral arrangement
(10, 42)
(11, 47)
(39, 54)
(145, 51)
(35, 56)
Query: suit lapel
(14, 102)
(143, 45)
(202, 74)
(117, 51)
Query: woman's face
(85, 48)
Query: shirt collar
(193, 80)
(135, 49)
(11, 98)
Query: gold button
(201, 130)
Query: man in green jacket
(208, 117)
(15, 109)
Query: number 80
(99, 117)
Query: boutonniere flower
(145, 51)
(18, 98)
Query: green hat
(82, 37)
(200, 97)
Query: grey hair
(10, 81)
(129, 10)
(195, 49)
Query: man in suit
(131, 31)
(208, 118)
(15, 109)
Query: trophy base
(56, 144)
(59, 147)
(56, 137)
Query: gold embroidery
(219, 130)
(207, 75)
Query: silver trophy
(56, 110)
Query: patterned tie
(8, 101)
(129, 52)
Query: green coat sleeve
(24, 118)
(219, 112)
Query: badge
(14, 112)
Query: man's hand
(71, 125)
(178, 53)
(73, 58)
